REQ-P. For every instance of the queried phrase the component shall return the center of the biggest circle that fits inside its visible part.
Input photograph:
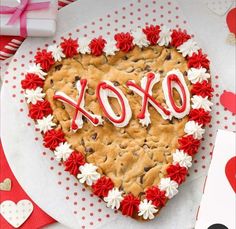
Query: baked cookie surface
(124, 116)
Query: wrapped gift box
(40, 23)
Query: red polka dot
(67, 188)
(75, 184)
(59, 173)
(44, 153)
(59, 182)
(203, 166)
(91, 204)
(99, 219)
(67, 198)
(195, 170)
(226, 127)
(203, 157)
(83, 208)
(75, 203)
(91, 223)
(13, 95)
(83, 199)
(83, 217)
(6, 81)
(68, 178)
(83, 189)
(146, 6)
(99, 210)
(29, 124)
(161, 7)
(75, 212)
(91, 214)
(21, 110)
(51, 167)
(107, 215)
(195, 161)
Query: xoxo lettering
(105, 90)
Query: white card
(217, 209)
(219, 7)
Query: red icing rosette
(31, 81)
(198, 60)
(129, 205)
(124, 41)
(40, 110)
(102, 186)
(177, 173)
(189, 144)
(200, 116)
(44, 59)
(69, 47)
(157, 196)
(178, 37)
(97, 45)
(73, 162)
(152, 33)
(203, 89)
(52, 138)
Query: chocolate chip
(123, 146)
(141, 178)
(63, 107)
(147, 168)
(89, 150)
(82, 142)
(161, 71)
(185, 73)
(116, 83)
(141, 194)
(130, 69)
(125, 58)
(51, 81)
(58, 67)
(168, 57)
(147, 68)
(178, 62)
(91, 91)
(77, 78)
(94, 136)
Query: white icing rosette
(193, 128)
(57, 52)
(196, 75)
(34, 95)
(147, 209)
(188, 48)
(169, 186)
(45, 124)
(114, 198)
(200, 102)
(164, 36)
(140, 38)
(182, 158)
(88, 174)
(63, 151)
(84, 46)
(36, 69)
(110, 48)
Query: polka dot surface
(81, 203)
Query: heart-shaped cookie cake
(124, 115)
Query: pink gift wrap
(39, 23)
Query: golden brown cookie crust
(134, 157)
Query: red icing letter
(145, 91)
(77, 121)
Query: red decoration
(102, 186)
(45, 59)
(157, 196)
(31, 81)
(40, 110)
(230, 19)
(69, 47)
(198, 60)
(152, 33)
(189, 145)
(230, 172)
(177, 173)
(178, 37)
(38, 218)
(53, 138)
(200, 116)
(203, 89)
(73, 162)
(97, 45)
(147, 97)
(124, 41)
(130, 204)
(228, 100)
(105, 86)
(78, 106)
